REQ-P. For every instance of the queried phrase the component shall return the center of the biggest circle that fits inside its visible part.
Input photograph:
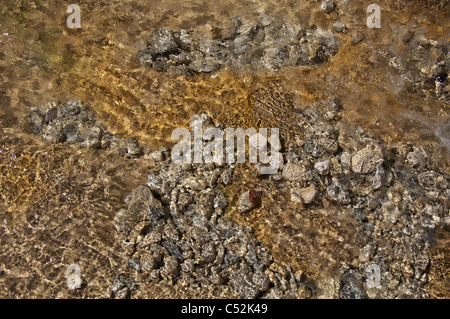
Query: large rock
(74, 123)
(143, 206)
(340, 27)
(323, 167)
(327, 6)
(351, 286)
(417, 158)
(366, 160)
(205, 65)
(305, 195)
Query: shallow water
(42, 60)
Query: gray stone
(121, 281)
(200, 235)
(142, 206)
(417, 158)
(205, 65)
(294, 172)
(51, 114)
(156, 156)
(171, 232)
(229, 260)
(171, 266)
(346, 160)
(338, 192)
(327, 6)
(133, 149)
(208, 253)
(38, 120)
(145, 57)
(261, 281)
(205, 203)
(273, 293)
(93, 139)
(122, 293)
(407, 36)
(70, 109)
(54, 133)
(134, 263)
(188, 266)
(264, 20)
(226, 177)
(173, 249)
(220, 200)
(71, 130)
(254, 261)
(162, 41)
(378, 178)
(428, 180)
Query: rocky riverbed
(266, 43)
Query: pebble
(340, 27)
(245, 204)
(265, 43)
(323, 168)
(357, 37)
(197, 241)
(306, 194)
(175, 227)
(327, 6)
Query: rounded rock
(162, 41)
(171, 266)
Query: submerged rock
(340, 27)
(366, 160)
(294, 172)
(143, 206)
(174, 228)
(242, 283)
(327, 6)
(305, 195)
(351, 286)
(264, 44)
